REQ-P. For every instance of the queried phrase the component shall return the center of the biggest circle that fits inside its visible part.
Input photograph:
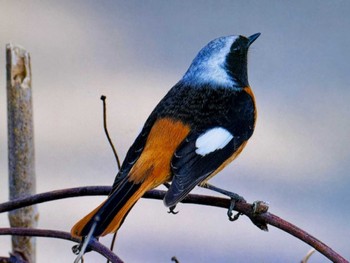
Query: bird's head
(222, 62)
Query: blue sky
(133, 52)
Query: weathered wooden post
(21, 146)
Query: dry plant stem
(103, 98)
(20, 146)
(308, 255)
(242, 207)
(94, 244)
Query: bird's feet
(172, 210)
(230, 215)
(234, 199)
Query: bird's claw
(230, 215)
(234, 199)
(76, 249)
(172, 210)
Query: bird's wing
(133, 153)
(201, 155)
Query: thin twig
(94, 244)
(308, 255)
(243, 207)
(113, 243)
(174, 259)
(103, 98)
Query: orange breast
(153, 166)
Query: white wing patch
(212, 140)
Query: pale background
(133, 52)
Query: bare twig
(308, 255)
(94, 244)
(103, 98)
(303, 236)
(20, 145)
(243, 207)
(174, 259)
(113, 242)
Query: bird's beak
(252, 38)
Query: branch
(94, 244)
(54, 195)
(243, 207)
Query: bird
(200, 126)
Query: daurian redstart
(201, 125)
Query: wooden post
(21, 146)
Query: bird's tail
(112, 212)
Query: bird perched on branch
(199, 127)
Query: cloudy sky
(133, 52)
